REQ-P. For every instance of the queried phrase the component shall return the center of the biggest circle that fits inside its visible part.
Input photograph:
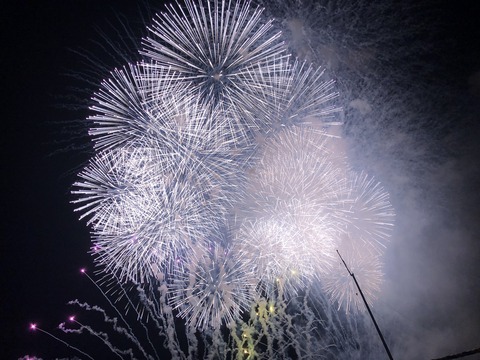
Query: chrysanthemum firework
(296, 165)
(283, 259)
(369, 215)
(140, 216)
(131, 104)
(339, 285)
(167, 171)
(368, 221)
(212, 287)
(215, 182)
(295, 199)
(217, 45)
(297, 93)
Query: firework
(298, 94)
(212, 289)
(217, 45)
(165, 175)
(142, 221)
(369, 220)
(216, 189)
(295, 196)
(339, 286)
(130, 107)
(369, 215)
(278, 259)
(296, 165)
(309, 97)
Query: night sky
(43, 245)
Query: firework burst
(297, 94)
(369, 215)
(295, 196)
(167, 170)
(216, 188)
(280, 262)
(213, 289)
(368, 224)
(142, 221)
(123, 105)
(217, 45)
(339, 286)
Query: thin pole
(460, 355)
(368, 308)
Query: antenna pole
(368, 309)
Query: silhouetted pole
(460, 355)
(368, 308)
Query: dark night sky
(43, 245)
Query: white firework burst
(212, 287)
(339, 284)
(217, 124)
(156, 109)
(369, 218)
(115, 182)
(281, 261)
(295, 195)
(297, 94)
(296, 165)
(167, 171)
(130, 105)
(207, 149)
(217, 46)
(140, 217)
(369, 215)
